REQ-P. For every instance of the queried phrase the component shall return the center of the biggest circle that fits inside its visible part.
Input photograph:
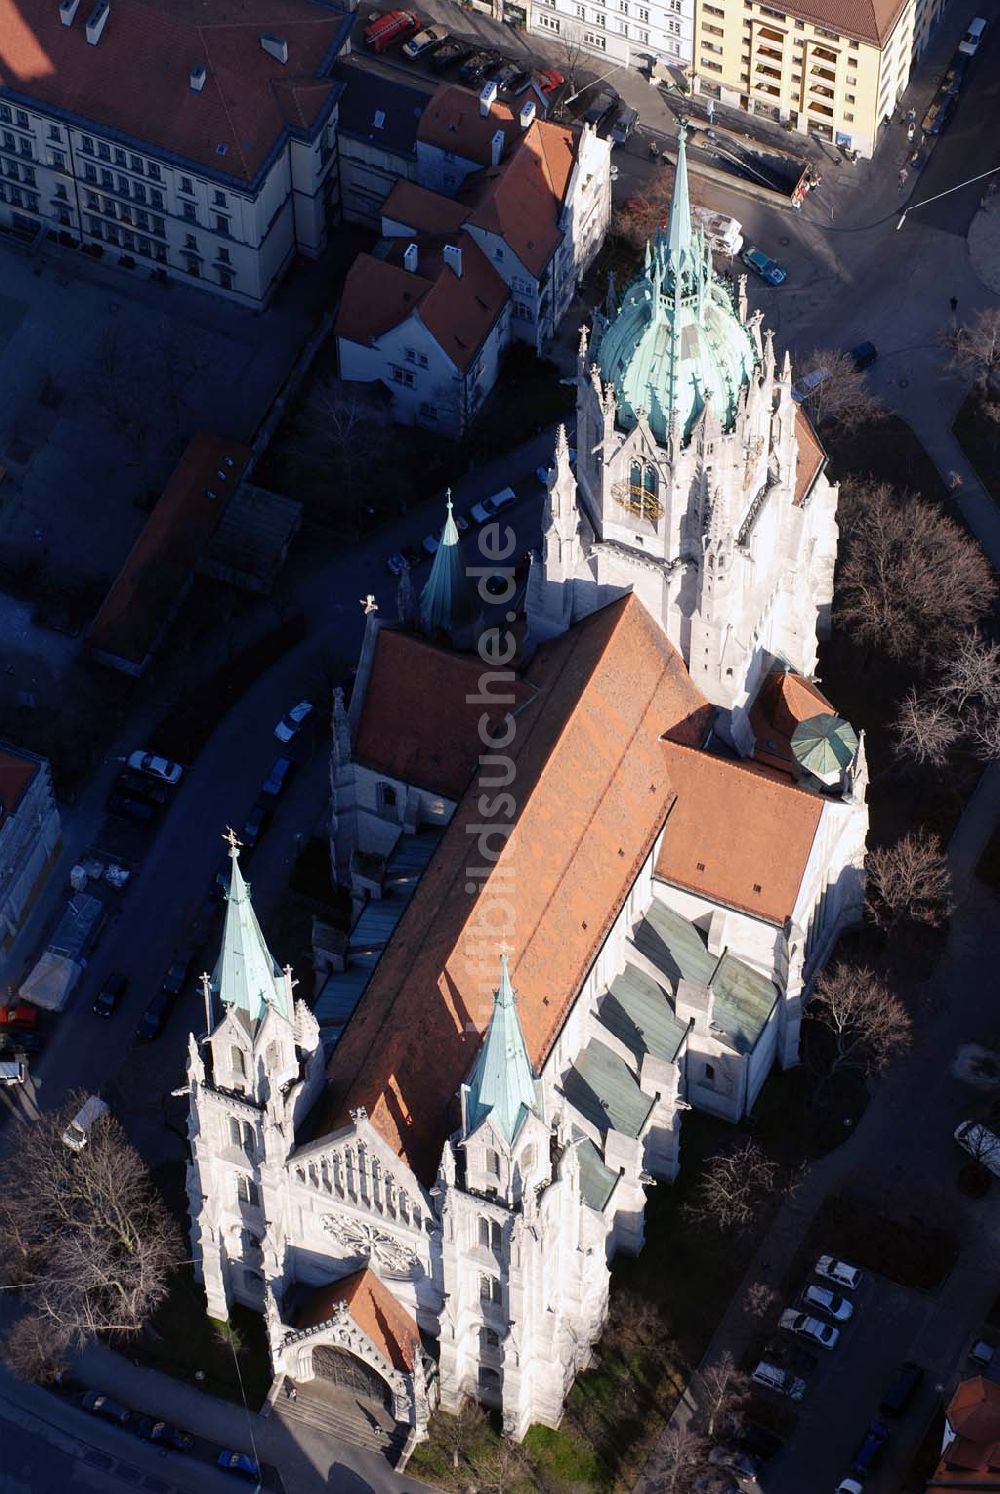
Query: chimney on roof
(496, 148)
(97, 20)
(68, 10)
(411, 258)
(274, 46)
(487, 97)
(453, 257)
(197, 77)
(527, 114)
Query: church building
(599, 839)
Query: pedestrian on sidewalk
(290, 1391)
(903, 174)
(953, 303)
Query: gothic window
(492, 1163)
(709, 1073)
(489, 1289)
(247, 1191)
(489, 1338)
(640, 495)
(489, 1379)
(237, 1061)
(273, 1057)
(490, 1234)
(241, 1134)
(527, 1160)
(387, 799)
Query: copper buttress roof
(739, 833)
(376, 1311)
(136, 81)
(420, 717)
(592, 789)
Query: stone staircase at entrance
(344, 1421)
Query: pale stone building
(594, 870)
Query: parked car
(239, 1463)
(870, 1450)
(980, 1143)
(12, 1071)
(152, 1020)
(623, 124)
(488, 509)
(99, 1404)
(734, 1458)
(141, 786)
(475, 68)
(810, 381)
(548, 80)
(77, 1133)
(255, 824)
(137, 810)
(939, 114)
(392, 27)
(519, 81)
(449, 54)
(600, 106)
(969, 44)
(276, 780)
(849, 1486)
(430, 544)
(903, 1387)
(290, 724)
(804, 1326)
(19, 1044)
(108, 997)
(395, 563)
(178, 971)
(156, 767)
(783, 1382)
(839, 1272)
(763, 265)
(506, 75)
(724, 234)
(834, 1306)
(164, 1435)
(425, 41)
(864, 355)
(19, 1018)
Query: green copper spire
(247, 975)
(502, 1085)
(677, 343)
(448, 602)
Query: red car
(549, 80)
(23, 1018)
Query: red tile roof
(376, 1311)
(452, 121)
(811, 457)
(16, 774)
(135, 81)
(522, 199)
(592, 789)
(735, 828)
(784, 699)
(869, 20)
(419, 720)
(422, 211)
(972, 1460)
(459, 311)
(147, 588)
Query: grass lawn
(978, 434)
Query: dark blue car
(870, 1450)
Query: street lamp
(947, 193)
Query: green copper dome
(676, 343)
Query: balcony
(771, 53)
(766, 88)
(819, 91)
(767, 72)
(826, 73)
(815, 108)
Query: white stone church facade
(596, 861)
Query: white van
(779, 1380)
(78, 1131)
(981, 1144)
(970, 41)
(725, 234)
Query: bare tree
(970, 672)
(90, 1242)
(572, 57)
(975, 348)
(869, 1025)
(500, 1468)
(760, 1299)
(733, 1187)
(984, 733)
(345, 433)
(635, 1322)
(641, 214)
(925, 729)
(911, 579)
(460, 1432)
(720, 1391)
(842, 399)
(909, 882)
(678, 1460)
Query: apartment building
(824, 67)
(30, 834)
(630, 33)
(197, 148)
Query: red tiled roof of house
(784, 699)
(521, 200)
(16, 774)
(810, 459)
(136, 81)
(159, 565)
(592, 788)
(868, 20)
(972, 1459)
(376, 1311)
(423, 211)
(738, 833)
(420, 717)
(454, 122)
(459, 311)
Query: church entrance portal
(341, 1368)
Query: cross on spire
(369, 604)
(229, 836)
